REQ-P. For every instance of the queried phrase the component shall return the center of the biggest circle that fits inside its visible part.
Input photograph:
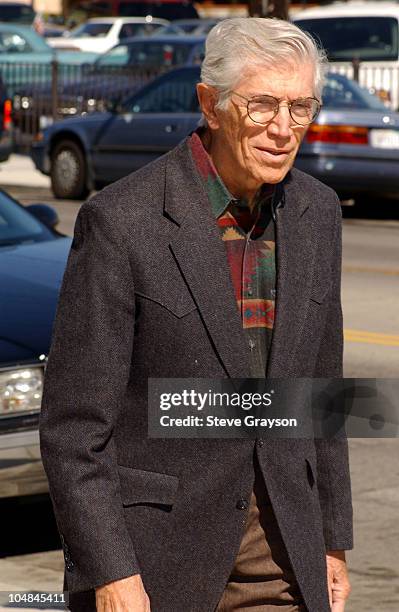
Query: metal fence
(45, 93)
(379, 79)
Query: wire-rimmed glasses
(263, 109)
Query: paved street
(370, 290)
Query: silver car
(354, 144)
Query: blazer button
(260, 443)
(69, 566)
(242, 504)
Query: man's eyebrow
(260, 95)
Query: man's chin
(274, 176)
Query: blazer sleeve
(332, 453)
(86, 377)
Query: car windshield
(364, 38)
(12, 42)
(91, 30)
(147, 53)
(17, 13)
(340, 93)
(17, 225)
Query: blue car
(353, 146)
(32, 261)
(85, 153)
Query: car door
(149, 124)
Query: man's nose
(281, 125)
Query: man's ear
(207, 97)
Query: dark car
(194, 27)
(121, 71)
(32, 262)
(353, 146)
(88, 152)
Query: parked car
(121, 71)
(193, 27)
(353, 145)
(88, 152)
(5, 123)
(32, 262)
(25, 57)
(367, 32)
(101, 34)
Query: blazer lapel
(296, 249)
(201, 257)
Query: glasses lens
(305, 110)
(262, 109)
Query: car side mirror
(44, 213)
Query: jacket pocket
(145, 487)
(180, 306)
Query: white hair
(236, 46)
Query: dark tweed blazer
(147, 293)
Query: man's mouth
(274, 152)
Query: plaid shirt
(249, 238)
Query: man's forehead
(295, 79)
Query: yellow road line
(372, 270)
(366, 337)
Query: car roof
(164, 38)
(350, 9)
(23, 28)
(148, 19)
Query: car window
(117, 56)
(17, 225)
(159, 53)
(91, 29)
(171, 29)
(169, 95)
(365, 38)
(137, 29)
(340, 93)
(11, 42)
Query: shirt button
(242, 504)
(250, 292)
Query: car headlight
(20, 390)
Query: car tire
(68, 171)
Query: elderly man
(172, 273)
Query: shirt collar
(218, 194)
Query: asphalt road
(370, 291)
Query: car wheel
(68, 171)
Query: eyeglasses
(263, 109)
